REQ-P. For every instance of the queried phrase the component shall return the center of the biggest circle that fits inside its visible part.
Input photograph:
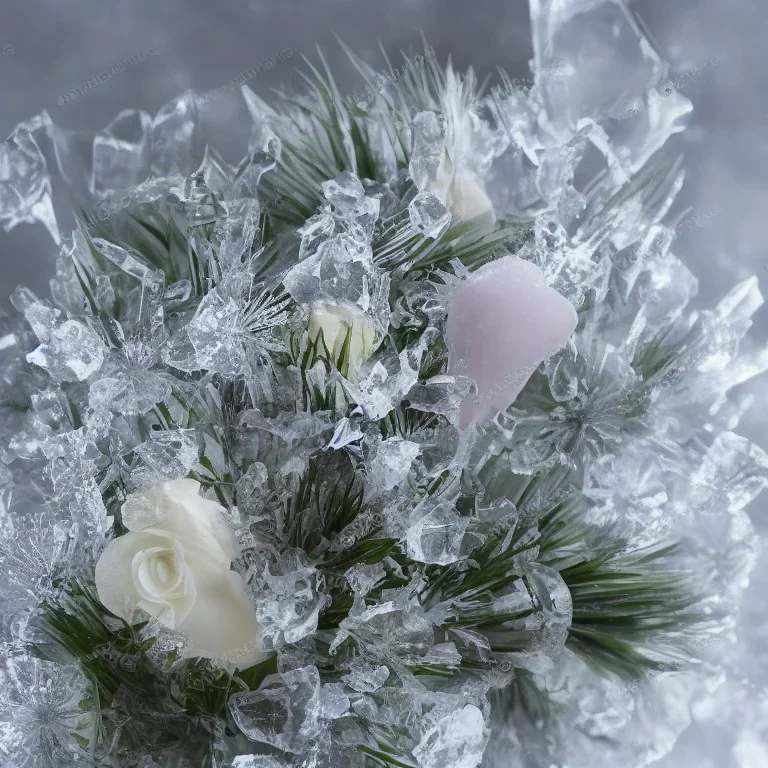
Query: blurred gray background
(718, 50)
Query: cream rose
(175, 564)
(335, 323)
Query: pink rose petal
(502, 323)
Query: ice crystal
(40, 713)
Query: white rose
(175, 564)
(335, 323)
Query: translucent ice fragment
(392, 463)
(428, 215)
(428, 150)
(334, 703)
(167, 455)
(25, 186)
(257, 761)
(502, 323)
(440, 394)
(284, 712)
(378, 392)
(396, 629)
(72, 347)
(435, 532)
(121, 152)
(363, 578)
(175, 137)
(364, 677)
(457, 740)
(590, 59)
(290, 600)
(70, 351)
(730, 475)
(345, 433)
(349, 203)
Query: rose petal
(178, 507)
(222, 622)
(502, 323)
(116, 587)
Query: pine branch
(324, 133)
(632, 611)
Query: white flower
(335, 323)
(175, 564)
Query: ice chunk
(344, 434)
(589, 57)
(428, 215)
(284, 712)
(334, 703)
(428, 150)
(167, 455)
(457, 740)
(441, 394)
(251, 485)
(121, 152)
(364, 677)
(378, 391)
(175, 138)
(257, 761)
(350, 204)
(289, 598)
(394, 629)
(730, 475)
(363, 578)
(391, 463)
(25, 186)
(70, 351)
(337, 268)
(435, 532)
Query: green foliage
(163, 700)
(631, 609)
